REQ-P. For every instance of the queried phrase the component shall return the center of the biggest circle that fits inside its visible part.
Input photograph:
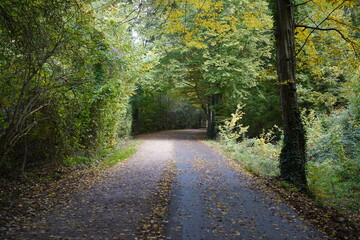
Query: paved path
(209, 200)
(212, 200)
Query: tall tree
(333, 13)
(293, 155)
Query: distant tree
(213, 52)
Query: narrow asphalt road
(212, 200)
(207, 199)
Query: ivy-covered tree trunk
(293, 156)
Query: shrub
(333, 155)
(334, 159)
(258, 155)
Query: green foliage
(352, 91)
(77, 161)
(333, 156)
(258, 155)
(262, 110)
(106, 157)
(232, 130)
(116, 156)
(214, 53)
(334, 159)
(67, 75)
(35, 68)
(325, 60)
(159, 111)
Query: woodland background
(77, 77)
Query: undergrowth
(16, 185)
(258, 155)
(333, 168)
(117, 155)
(334, 160)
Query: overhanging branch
(352, 43)
(325, 29)
(300, 4)
(318, 25)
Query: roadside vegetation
(28, 194)
(333, 155)
(77, 77)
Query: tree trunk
(211, 124)
(135, 122)
(212, 129)
(293, 156)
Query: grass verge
(119, 154)
(106, 157)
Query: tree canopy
(76, 76)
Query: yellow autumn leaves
(255, 17)
(208, 16)
(318, 48)
(194, 20)
(206, 23)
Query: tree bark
(210, 120)
(293, 155)
(212, 129)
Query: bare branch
(352, 43)
(300, 4)
(127, 17)
(345, 24)
(318, 25)
(325, 29)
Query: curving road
(208, 199)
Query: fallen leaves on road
(22, 198)
(328, 220)
(153, 226)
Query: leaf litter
(139, 198)
(88, 204)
